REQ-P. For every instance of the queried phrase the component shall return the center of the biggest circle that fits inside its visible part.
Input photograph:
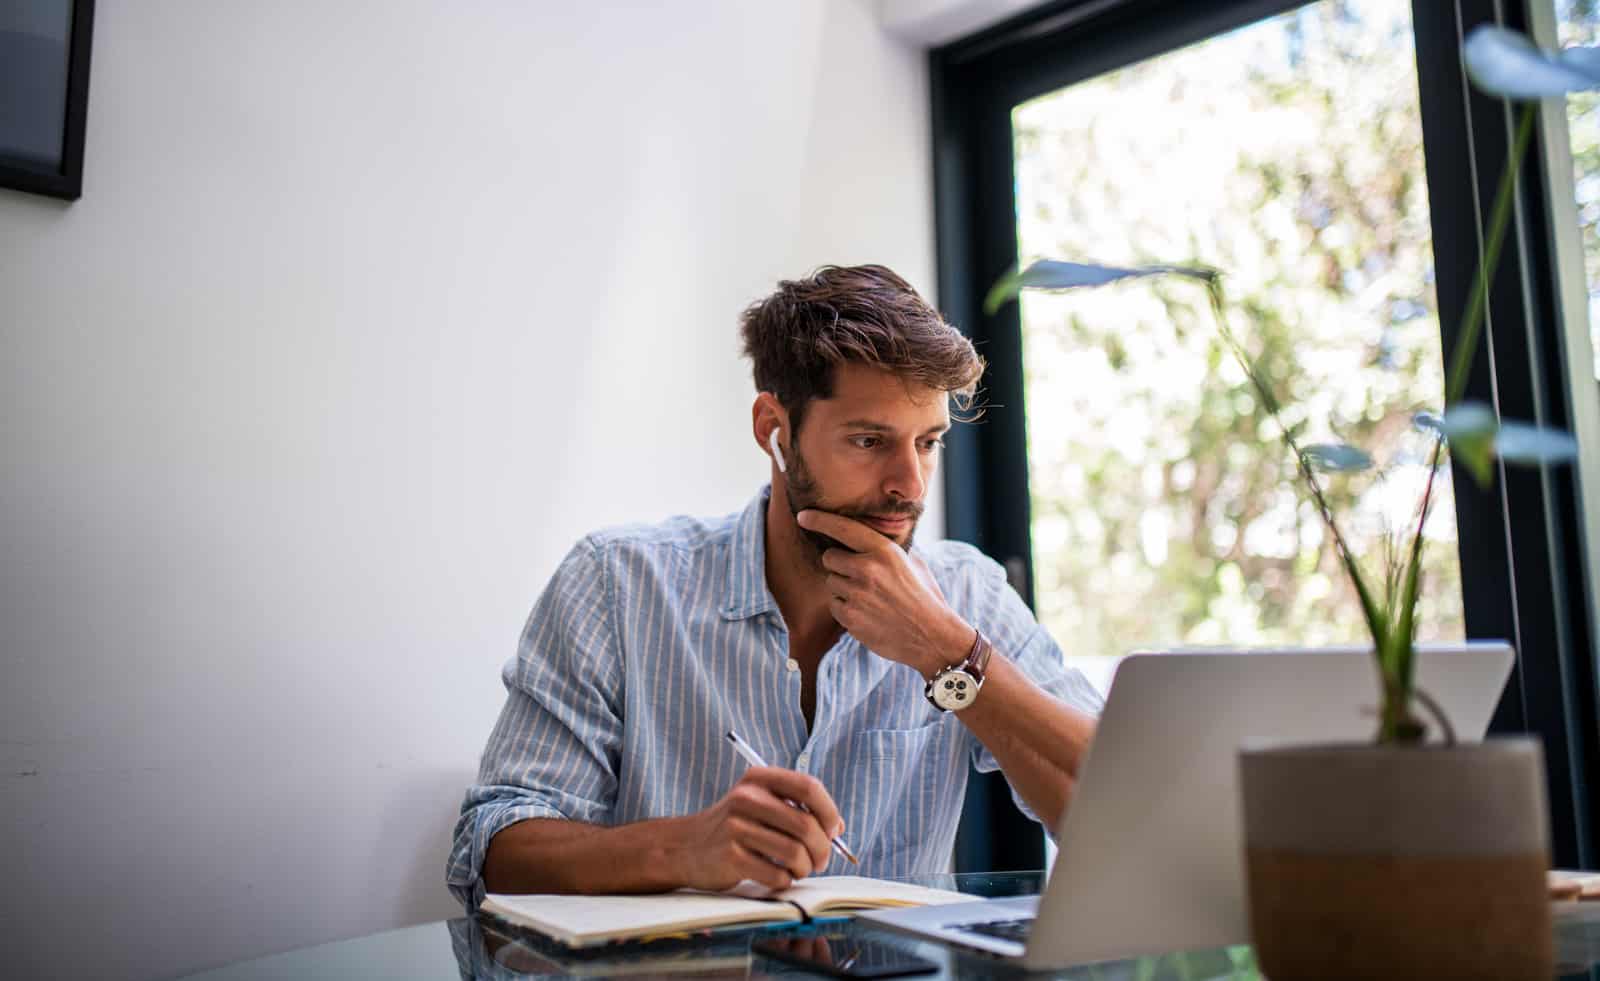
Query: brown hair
(865, 314)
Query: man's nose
(905, 479)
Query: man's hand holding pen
(754, 833)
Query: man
(868, 672)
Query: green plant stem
(1437, 711)
(1499, 216)
(1393, 638)
(1395, 659)
(1377, 619)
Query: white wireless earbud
(777, 454)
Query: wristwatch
(955, 686)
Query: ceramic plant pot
(1368, 861)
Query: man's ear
(771, 425)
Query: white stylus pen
(753, 758)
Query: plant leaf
(1378, 617)
(1508, 64)
(1477, 437)
(1469, 420)
(1004, 290)
(1583, 59)
(1337, 457)
(1402, 640)
(1052, 274)
(1505, 63)
(1525, 443)
(1470, 428)
(1478, 457)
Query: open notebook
(587, 921)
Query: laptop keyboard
(1013, 930)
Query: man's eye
(865, 442)
(929, 445)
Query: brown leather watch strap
(977, 659)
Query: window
(1578, 22)
(1331, 160)
(1165, 511)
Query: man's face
(868, 453)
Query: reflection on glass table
(487, 949)
(477, 947)
(839, 953)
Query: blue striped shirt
(651, 642)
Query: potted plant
(1401, 857)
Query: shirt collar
(748, 594)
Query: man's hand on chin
(886, 597)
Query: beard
(804, 494)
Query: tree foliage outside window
(1288, 154)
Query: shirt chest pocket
(901, 788)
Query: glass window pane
(1578, 22)
(1165, 510)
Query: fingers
(778, 817)
(755, 867)
(764, 796)
(751, 798)
(792, 855)
(803, 789)
(852, 534)
(851, 565)
(790, 828)
(839, 586)
(841, 612)
(813, 948)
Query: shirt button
(794, 665)
(803, 759)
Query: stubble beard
(804, 494)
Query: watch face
(955, 690)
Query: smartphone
(843, 956)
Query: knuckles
(801, 860)
(746, 794)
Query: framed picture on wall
(44, 94)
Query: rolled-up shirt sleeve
(554, 750)
(1002, 615)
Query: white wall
(368, 311)
(934, 22)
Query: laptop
(1150, 856)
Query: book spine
(805, 918)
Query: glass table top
(481, 948)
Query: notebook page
(577, 920)
(843, 892)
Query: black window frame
(1522, 572)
